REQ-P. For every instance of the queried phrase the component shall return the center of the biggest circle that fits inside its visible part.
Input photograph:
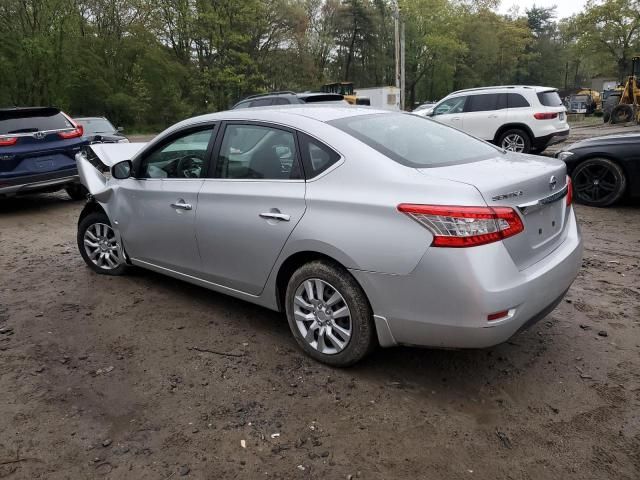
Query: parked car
(366, 227)
(289, 98)
(38, 146)
(101, 130)
(516, 118)
(604, 169)
(424, 109)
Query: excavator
(628, 108)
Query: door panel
(483, 115)
(237, 245)
(154, 227)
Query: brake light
(8, 141)
(492, 317)
(459, 227)
(75, 133)
(569, 191)
(545, 116)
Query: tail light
(458, 227)
(78, 131)
(545, 116)
(8, 141)
(569, 191)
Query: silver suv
(516, 118)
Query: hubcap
(594, 183)
(513, 143)
(101, 246)
(322, 316)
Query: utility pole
(399, 53)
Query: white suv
(517, 118)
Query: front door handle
(181, 205)
(276, 216)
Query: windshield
(96, 125)
(414, 141)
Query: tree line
(148, 64)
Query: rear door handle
(181, 206)
(276, 216)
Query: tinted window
(184, 157)
(96, 125)
(414, 141)
(257, 152)
(281, 101)
(263, 102)
(32, 120)
(453, 105)
(550, 99)
(481, 103)
(515, 100)
(316, 156)
(242, 105)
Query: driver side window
(453, 105)
(183, 157)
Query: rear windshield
(96, 125)
(414, 141)
(550, 99)
(25, 121)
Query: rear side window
(550, 99)
(263, 102)
(481, 103)
(32, 120)
(414, 141)
(242, 105)
(316, 157)
(281, 101)
(515, 100)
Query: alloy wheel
(322, 316)
(513, 143)
(101, 246)
(594, 183)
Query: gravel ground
(104, 377)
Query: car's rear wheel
(598, 182)
(99, 245)
(515, 140)
(329, 314)
(76, 191)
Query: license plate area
(545, 223)
(561, 116)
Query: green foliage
(148, 64)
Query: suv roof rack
(283, 92)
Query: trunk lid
(533, 186)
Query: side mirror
(122, 170)
(120, 129)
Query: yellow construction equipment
(345, 89)
(628, 109)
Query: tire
(336, 348)
(622, 114)
(590, 178)
(77, 191)
(606, 117)
(515, 140)
(99, 227)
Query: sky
(566, 8)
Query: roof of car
(535, 88)
(89, 118)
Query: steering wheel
(189, 166)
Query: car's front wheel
(329, 314)
(99, 245)
(515, 140)
(598, 182)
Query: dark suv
(289, 98)
(38, 146)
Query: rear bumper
(540, 143)
(445, 301)
(40, 182)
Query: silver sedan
(366, 227)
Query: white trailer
(385, 98)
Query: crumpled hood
(112, 153)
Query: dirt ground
(100, 378)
